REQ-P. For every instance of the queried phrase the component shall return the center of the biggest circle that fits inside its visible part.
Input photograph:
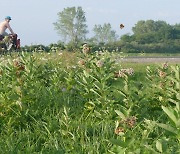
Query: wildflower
(130, 71)
(99, 63)
(162, 74)
(124, 70)
(171, 83)
(81, 62)
(119, 130)
(19, 65)
(130, 122)
(16, 62)
(85, 45)
(85, 49)
(119, 74)
(165, 65)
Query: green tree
(176, 31)
(71, 25)
(104, 34)
(127, 38)
(152, 31)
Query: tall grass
(75, 103)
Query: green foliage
(151, 37)
(66, 102)
(71, 24)
(104, 34)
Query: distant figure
(4, 25)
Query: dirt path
(151, 60)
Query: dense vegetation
(61, 102)
(148, 37)
(153, 36)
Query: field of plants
(70, 102)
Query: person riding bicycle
(4, 25)
(9, 40)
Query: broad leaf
(170, 113)
(120, 114)
(168, 128)
(159, 146)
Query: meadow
(70, 102)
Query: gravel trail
(152, 59)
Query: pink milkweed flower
(162, 74)
(99, 63)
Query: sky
(33, 20)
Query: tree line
(148, 36)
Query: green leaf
(86, 74)
(178, 96)
(159, 146)
(151, 149)
(117, 150)
(92, 90)
(119, 143)
(109, 76)
(130, 141)
(176, 103)
(170, 113)
(178, 123)
(85, 81)
(176, 70)
(122, 93)
(81, 83)
(120, 114)
(168, 128)
(97, 114)
(98, 85)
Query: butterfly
(121, 26)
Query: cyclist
(4, 25)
